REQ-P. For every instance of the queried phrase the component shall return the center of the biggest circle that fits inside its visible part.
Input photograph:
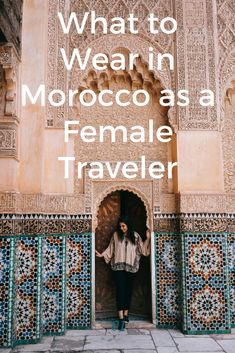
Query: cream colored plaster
(34, 46)
(53, 170)
(199, 153)
(8, 174)
(200, 161)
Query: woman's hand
(98, 254)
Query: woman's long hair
(130, 230)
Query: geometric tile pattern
(53, 278)
(34, 282)
(6, 289)
(231, 262)
(45, 274)
(167, 247)
(78, 280)
(27, 301)
(205, 283)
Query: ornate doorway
(115, 204)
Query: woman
(124, 253)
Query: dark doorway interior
(116, 203)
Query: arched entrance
(113, 205)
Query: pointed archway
(114, 204)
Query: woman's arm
(107, 253)
(144, 247)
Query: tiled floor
(131, 341)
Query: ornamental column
(204, 282)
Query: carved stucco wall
(99, 115)
(195, 54)
(10, 28)
(226, 41)
(128, 117)
(197, 61)
(9, 100)
(214, 68)
(108, 9)
(2, 91)
(228, 140)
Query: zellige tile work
(167, 278)
(205, 283)
(45, 279)
(53, 277)
(231, 262)
(7, 247)
(27, 288)
(79, 281)
(46, 274)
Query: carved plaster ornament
(59, 77)
(2, 91)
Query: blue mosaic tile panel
(27, 304)
(78, 280)
(167, 278)
(53, 277)
(205, 283)
(7, 247)
(231, 259)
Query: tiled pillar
(205, 282)
(45, 276)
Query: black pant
(124, 285)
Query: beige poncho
(124, 255)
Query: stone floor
(130, 341)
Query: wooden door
(108, 215)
